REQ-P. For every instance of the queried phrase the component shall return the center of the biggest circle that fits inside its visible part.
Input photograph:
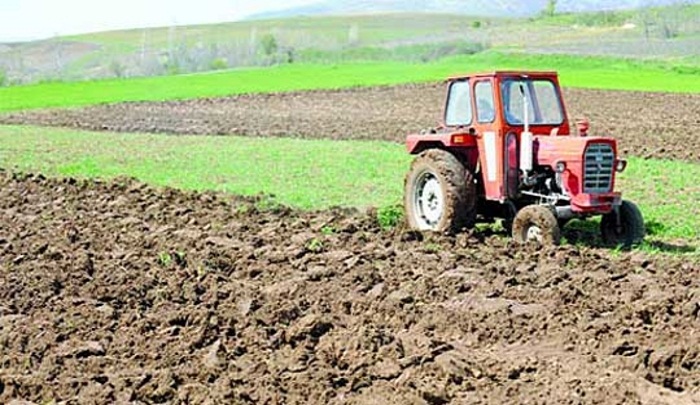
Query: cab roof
(505, 74)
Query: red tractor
(504, 150)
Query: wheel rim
(428, 203)
(533, 233)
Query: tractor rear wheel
(536, 223)
(624, 226)
(439, 193)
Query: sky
(22, 20)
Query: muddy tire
(536, 223)
(439, 193)
(630, 231)
(507, 222)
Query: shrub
(117, 68)
(268, 43)
(391, 216)
(218, 64)
(550, 9)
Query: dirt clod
(476, 320)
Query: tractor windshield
(540, 96)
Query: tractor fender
(416, 143)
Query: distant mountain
(490, 8)
(471, 7)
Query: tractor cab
(505, 101)
(507, 133)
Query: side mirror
(583, 125)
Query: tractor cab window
(541, 98)
(483, 94)
(459, 106)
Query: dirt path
(116, 292)
(647, 124)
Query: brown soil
(647, 124)
(116, 292)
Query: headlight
(560, 167)
(620, 165)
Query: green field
(341, 173)
(590, 72)
(345, 173)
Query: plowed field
(119, 293)
(656, 125)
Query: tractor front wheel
(439, 193)
(536, 223)
(624, 226)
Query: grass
(590, 72)
(340, 172)
(668, 192)
(682, 14)
(346, 173)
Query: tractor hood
(586, 166)
(570, 149)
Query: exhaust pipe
(526, 152)
(526, 139)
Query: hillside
(669, 32)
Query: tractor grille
(599, 163)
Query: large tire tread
(633, 229)
(457, 183)
(540, 216)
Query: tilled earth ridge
(114, 292)
(659, 125)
